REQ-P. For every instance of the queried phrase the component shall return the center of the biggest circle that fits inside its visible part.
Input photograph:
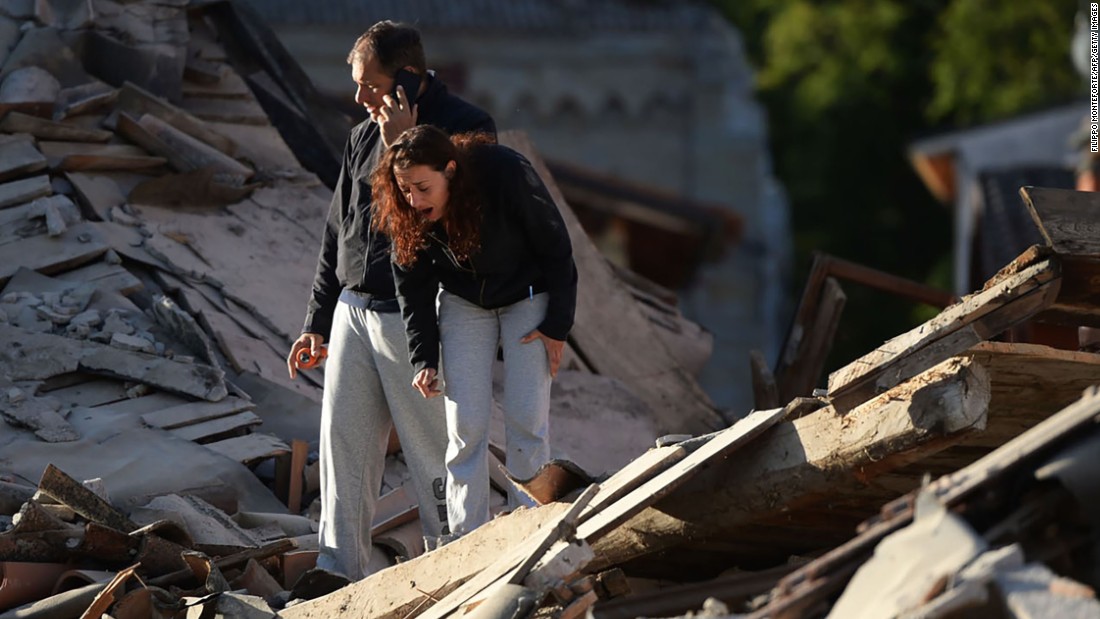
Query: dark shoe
(316, 583)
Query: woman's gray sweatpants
(368, 388)
(470, 335)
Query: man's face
(370, 84)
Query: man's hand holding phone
(398, 112)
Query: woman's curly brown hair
(393, 216)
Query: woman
(474, 218)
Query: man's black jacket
(354, 258)
(525, 250)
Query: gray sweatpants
(367, 388)
(470, 336)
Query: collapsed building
(162, 191)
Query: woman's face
(425, 189)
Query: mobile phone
(409, 81)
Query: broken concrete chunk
(200, 381)
(112, 257)
(55, 224)
(138, 390)
(115, 323)
(132, 343)
(41, 415)
(51, 314)
(15, 395)
(119, 216)
(91, 318)
(28, 318)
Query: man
(353, 307)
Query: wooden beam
(513, 567)
(613, 335)
(136, 101)
(17, 122)
(196, 153)
(1068, 220)
(406, 588)
(765, 394)
(803, 373)
(195, 412)
(214, 427)
(24, 190)
(250, 447)
(827, 574)
(810, 459)
(1025, 287)
(47, 254)
(720, 446)
(76, 156)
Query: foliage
(848, 84)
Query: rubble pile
(161, 204)
(757, 520)
(162, 193)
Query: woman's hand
(426, 383)
(554, 348)
(306, 341)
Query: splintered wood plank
(250, 447)
(92, 393)
(195, 412)
(718, 447)
(802, 374)
(19, 158)
(137, 102)
(1068, 220)
(70, 156)
(637, 472)
(1006, 300)
(408, 587)
(17, 122)
(76, 245)
(24, 190)
(1078, 302)
(514, 566)
(196, 153)
(811, 480)
(105, 276)
(80, 99)
(213, 427)
(136, 407)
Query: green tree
(994, 59)
(848, 84)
